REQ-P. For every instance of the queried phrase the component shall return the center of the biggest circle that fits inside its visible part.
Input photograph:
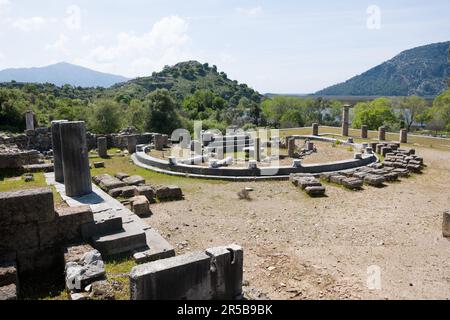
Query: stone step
(130, 238)
(105, 223)
(157, 248)
(8, 292)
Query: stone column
(102, 147)
(291, 147)
(446, 224)
(131, 143)
(345, 120)
(382, 133)
(364, 132)
(258, 149)
(158, 142)
(29, 119)
(56, 147)
(315, 129)
(403, 136)
(77, 176)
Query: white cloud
(60, 45)
(165, 43)
(29, 24)
(3, 5)
(250, 12)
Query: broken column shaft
(56, 146)
(75, 160)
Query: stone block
(352, 183)
(19, 236)
(129, 192)
(99, 164)
(8, 273)
(121, 175)
(148, 192)
(89, 269)
(315, 191)
(134, 180)
(446, 224)
(39, 260)
(25, 206)
(111, 183)
(140, 206)
(101, 177)
(76, 252)
(374, 180)
(169, 193)
(105, 223)
(8, 292)
(227, 271)
(304, 182)
(185, 277)
(337, 178)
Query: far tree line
(159, 111)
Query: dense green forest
(192, 91)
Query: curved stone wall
(141, 158)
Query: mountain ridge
(60, 74)
(421, 71)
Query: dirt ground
(296, 247)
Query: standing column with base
(382, 133)
(315, 129)
(258, 149)
(291, 147)
(29, 120)
(364, 132)
(56, 147)
(77, 176)
(345, 120)
(403, 136)
(131, 144)
(102, 147)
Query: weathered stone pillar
(29, 120)
(382, 133)
(403, 136)
(364, 132)
(310, 146)
(56, 147)
(102, 147)
(345, 120)
(315, 129)
(258, 149)
(131, 143)
(77, 176)
(446, 224)
(158, 142)
(291, 147)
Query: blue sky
(273, 46)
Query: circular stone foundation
(252, 170)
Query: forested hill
(421, 71)
(184, 79)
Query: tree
(106, 117)
(374, 114)
(441, 109)
(413, 109)
(161, 112)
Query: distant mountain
(61, 74)
(421, 71)
(184, 79)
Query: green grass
(124, 164)
(12, 180)
(334, 132)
